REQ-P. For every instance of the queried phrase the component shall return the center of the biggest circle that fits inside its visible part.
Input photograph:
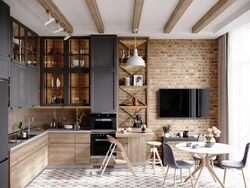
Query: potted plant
(19, 126)
(209, 138)
(166, 129)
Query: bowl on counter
(77, 63)
(68, 126)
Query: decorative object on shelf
(138, 80)
(136, 102)
(58, 83)
(124, 131)
(137, 121)
(77, 63)
(123, 55)
(185, 133)
(135, 60)
(181, 134)
(166, 129)
(52, 82)
(127, 81)
(143, 128)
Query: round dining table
(206, 154)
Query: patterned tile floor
(122, 178)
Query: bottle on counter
(54, 124)
(59, 124)
(51, 124)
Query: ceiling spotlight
(51, 19)
(59, 28)
(67, 36)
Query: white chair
(197, 158)
(116, 147)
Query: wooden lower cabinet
(82, 154)
(69, 149)
(23, 172)
(61, 154)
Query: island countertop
(135, 132)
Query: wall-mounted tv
(184, 103)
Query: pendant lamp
(135, 60)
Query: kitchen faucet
(31, 119)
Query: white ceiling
(117, 16)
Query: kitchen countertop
(135, 132)
(38, 134)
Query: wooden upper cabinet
(103, 51)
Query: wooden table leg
(193, 173)
(214, 174)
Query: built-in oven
(102, 124)
(103, 121)
(99, 143)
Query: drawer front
(82, 138)
(61, 138)
(61, 154)
(82, 154)
(26, 150)
(22, 173)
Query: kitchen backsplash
(43, 117)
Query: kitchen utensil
(68, 126)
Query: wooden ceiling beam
(137, 15)
(177, 14)
(51, 8)
(94, 11)
(215, 11)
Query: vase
(76, 125)
(166, 135)
(209, 144)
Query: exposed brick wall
(182, 64)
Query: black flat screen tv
(184, 103)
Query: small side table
(176, 139)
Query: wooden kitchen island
(134, 143)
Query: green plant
(166, 128)
(208, 138)
(19, 126)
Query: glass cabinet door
(31, 47)
(18, 44)
(78, 53)
(53, 88)
(78, 89)
(54, 53)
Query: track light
(59, 28)
(51, 19)
(67, 36)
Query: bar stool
(153, 160)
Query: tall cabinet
(132, 82)
(5, 40)
(103, 73)
(23, 67)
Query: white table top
(217, 148)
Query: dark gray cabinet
(5, 40)
(103, 51)
(103, 91)
(17, 86)
(31, 87)
(103, 73)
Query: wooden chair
(116, 147)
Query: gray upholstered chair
(240, 165)
(197, 158)
(176, 164)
